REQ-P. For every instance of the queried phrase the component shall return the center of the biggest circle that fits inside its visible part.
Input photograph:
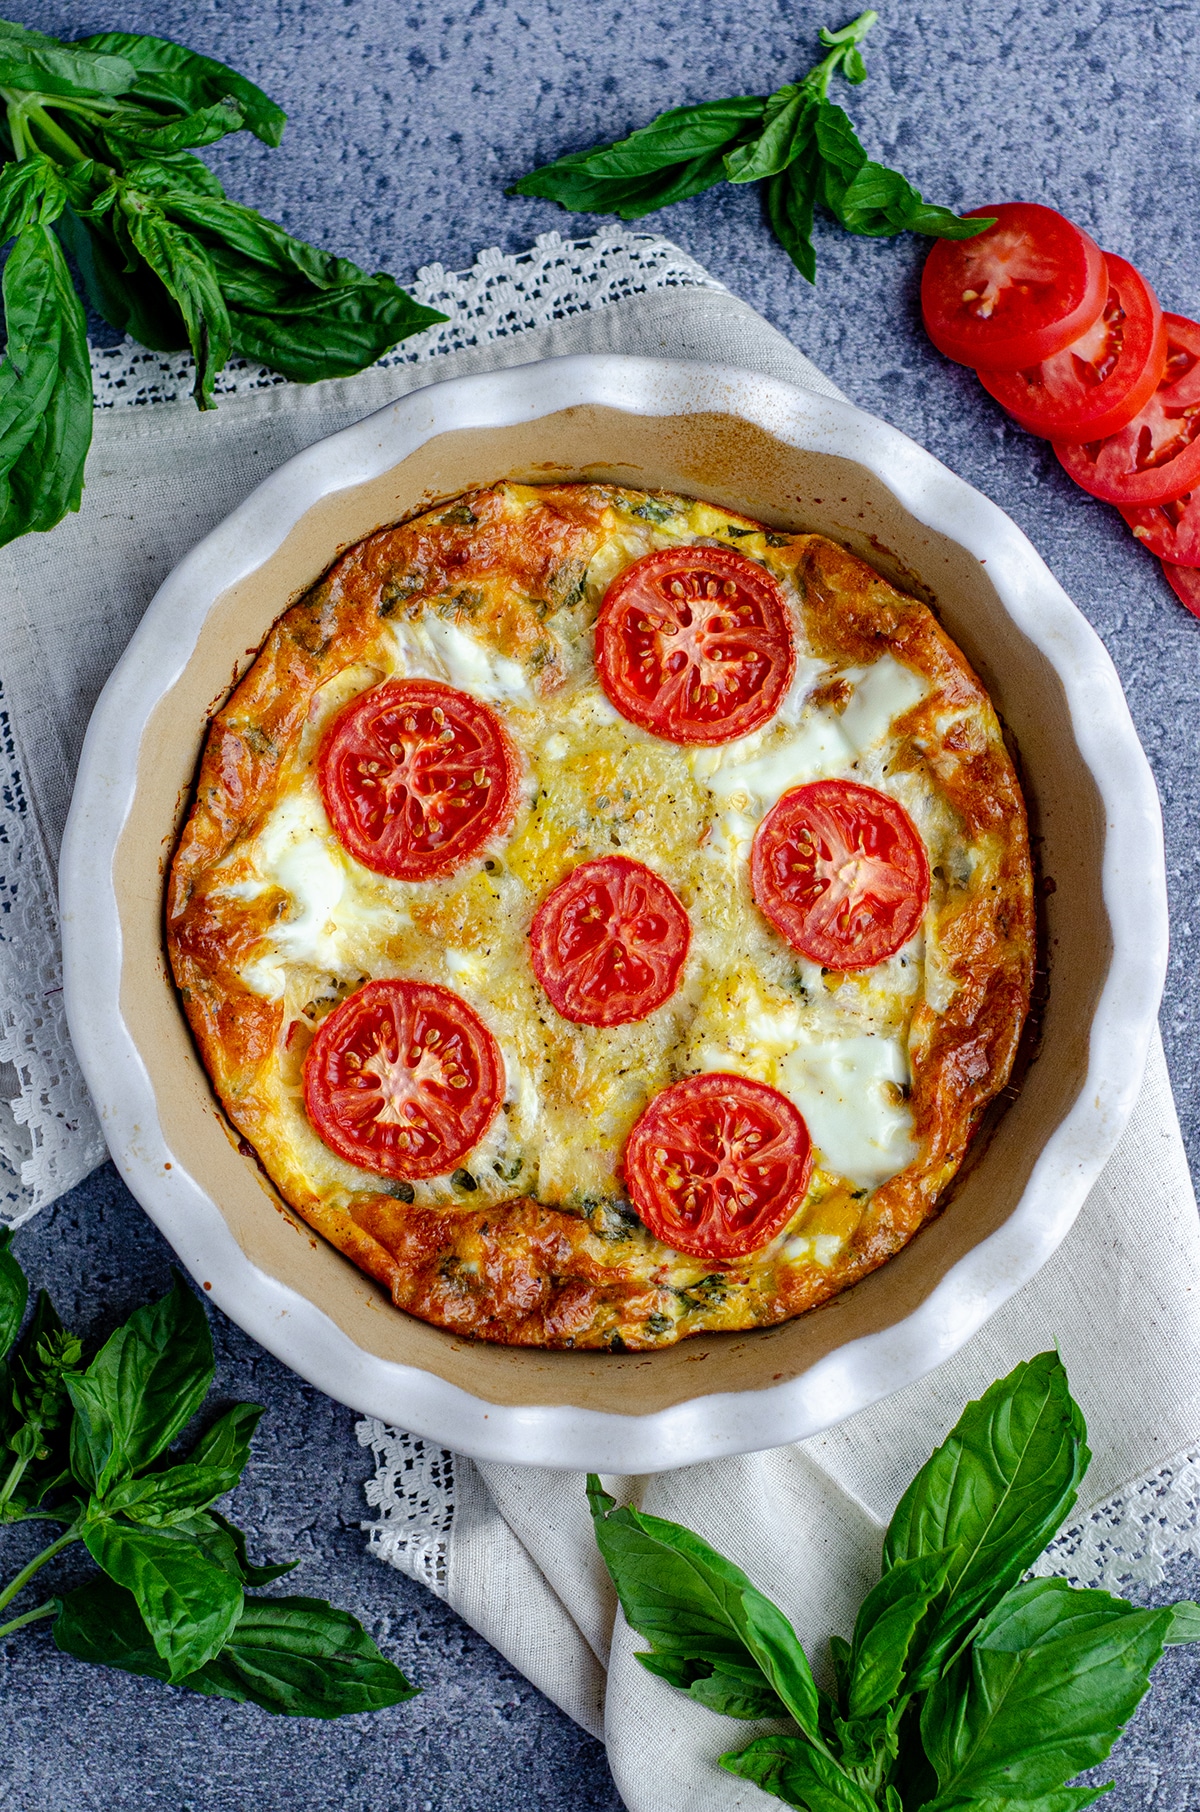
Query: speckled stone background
(407, 121)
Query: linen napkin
(510, 1547)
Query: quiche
(606, 918)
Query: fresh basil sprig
(797, 141)
(96, 143)
(964, 1685)
(88, 1447)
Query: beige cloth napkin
(510, 1547)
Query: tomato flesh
(416, 777)
(1170, 531)
(841, 872)
(717, 1165)
(1155, 458)
(1017, 293)
(403, 1079)
(1102, 380)
(695, 644)
(1185, 583)
(608, 944)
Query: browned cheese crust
(511, 566)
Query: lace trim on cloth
(49, 1135)
(413, 1490)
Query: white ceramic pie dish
(798, 460)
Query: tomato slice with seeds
(717, 1165)
(695, 644)
(1017, 293)
(608, 944)
(1102, 380)
(1170, 531)
(403, 1079)
(416, 777)
(1185, 583)
(1155, 458)
(841, 872)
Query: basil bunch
(797, 141)
(96, 139)
(88, 1448)
(965, 1685)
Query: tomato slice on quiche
(609, 943)
(416, 777)
(695, 644)
(717, 1165)
(841, 872)
(403, 1078)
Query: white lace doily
(49, 1135)
(1124, 1545)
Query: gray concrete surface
(407, 122)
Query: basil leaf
(30, 369)
(302, 1658)
(798, 1774)
(138, 133)
(1185, 1623)
(837, 141)
(214, 1467)
(1049, 1682)
(675, 137)
(250, 1574)
(36, 1406)
(790, 123)
(334, 334)
(189, 1603)
(219, 223)
(141, 1390)
(46, 479)
(888, 1621)
(724, 1686)
(100, 1622)
(226, 1444)
(14, 1293)
(168, 72)
(187, 271)
(1066, 1799)
(790, 197)
(122, 288)
(693, 1603)
(997, 1490)
(34, 63)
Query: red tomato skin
(615, 882)
(1110, 469)
(874, 818)
(1064, 265)
(623, 609)
(408, 1006)
(700, 1098)
(349, 736)
(1185, 583)
(1169, 531)
(1051, 401)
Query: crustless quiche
(607, 919)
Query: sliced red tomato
(1100, 381)
(695, 644)
(403, 1078)
(841, 872)
(416, 777)
(1155, 458)
(1017, 293)
(717, 1165)
(1185, 583)
(609, 942)
(1169, 530)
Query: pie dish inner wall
(730, 462)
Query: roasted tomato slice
(695, 644)
(403, 1078)
(841, 872)
(609, 942)
(1099, 382)
(717, 1164)
(1016, 294)
(1169, 530)
(1155, 458)
(1185, 583)
(416, 777)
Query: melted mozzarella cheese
(850, 1091)
(436, 648)
(882, 693)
